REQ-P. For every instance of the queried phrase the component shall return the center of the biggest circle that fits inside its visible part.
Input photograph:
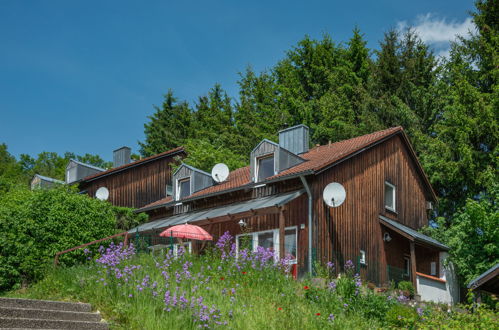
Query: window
(433, 268)
(362, 258)
(290, 242)
(407, 266)
(265, 167)
(269, 239)
(184, 188)
(389, 196)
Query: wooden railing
(56, 259)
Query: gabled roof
(316, 160)
(416, 236)
(46, 178)
(86, 165)
(489, 280)
(142, 161)
(191, 168)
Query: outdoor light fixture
(386, 237)
(242, 223)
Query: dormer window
(184, 188)
(265, 167)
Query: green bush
(38, 224)
(402, 316)
(406, 286)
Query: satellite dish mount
(334, 194)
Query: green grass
(243, 298)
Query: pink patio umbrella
(187, 231)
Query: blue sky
(83, 76)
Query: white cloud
(438, 31)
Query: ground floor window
(407, 266)
(269, 239)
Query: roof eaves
(131, 165)
(242, 187)
(475, 282)
(87, 165)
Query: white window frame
(254, 239)
(257, 165)
(394, 196)
(178, 183)
(362, 259)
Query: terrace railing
(56, 258)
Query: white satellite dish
(102, 193)
(220, 172)
(334, 194)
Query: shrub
(402, 316)
(406, 286)
(38, 224)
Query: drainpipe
(309, 193)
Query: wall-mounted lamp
(242, 223)
(386, 237)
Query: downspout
(309, 193)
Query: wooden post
(125, 244)
(281, 233)
(413, 266)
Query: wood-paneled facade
(338, 234)
(136, 184)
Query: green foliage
(478, 318)
(402, 316)
(245, 298)
(37, 224)
(406, 286)
(472, 235)
(126, 218)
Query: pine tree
(168, 127)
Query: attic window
(265, 167)
(184, 188)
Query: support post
(413, 266)
(281, 233)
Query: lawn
(249, 291)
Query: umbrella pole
(171, 240)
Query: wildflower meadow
(244, 290)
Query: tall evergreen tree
(168, 127)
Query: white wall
(441, 292)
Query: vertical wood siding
(343, 231)
(136, 186)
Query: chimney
(295, 139)
(121, 156)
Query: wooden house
(277, 201)
(129, 183)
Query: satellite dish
(220, 172)
(334, 194)
(102, 193)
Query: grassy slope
(261, 298)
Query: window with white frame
(183, 188)
(265, 167)
(269, 239)
(389, 196)
(362, 258)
